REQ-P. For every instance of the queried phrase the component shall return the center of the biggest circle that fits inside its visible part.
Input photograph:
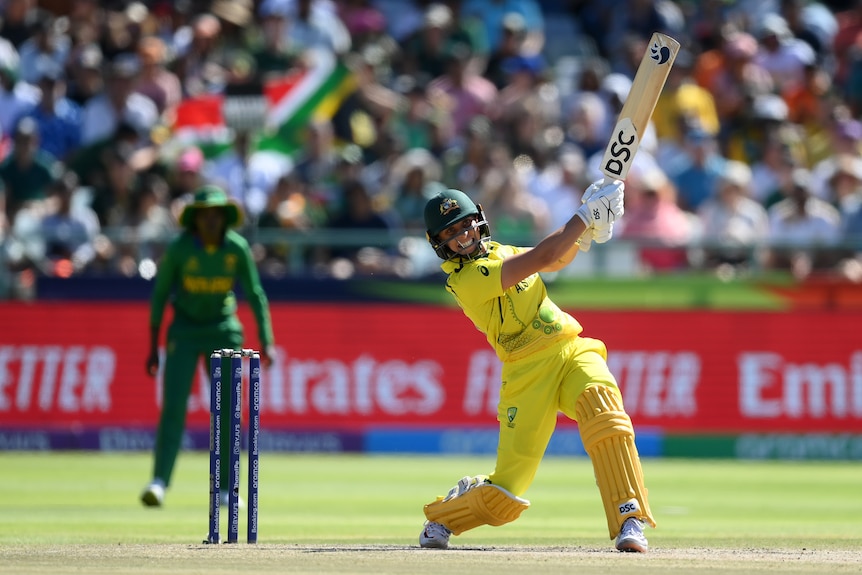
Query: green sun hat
(210, 196)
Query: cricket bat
(639, 105)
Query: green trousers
(186, 347)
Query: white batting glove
(602, 204)
(586, 240)
(601, 235)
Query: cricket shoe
(631, 537)
(225, 499)
(434, 536)
(154, 494)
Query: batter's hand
(586, 240)
(153, 363)
(602, 204)
(602, 235)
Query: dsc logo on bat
(622, 148)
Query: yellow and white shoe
(434, 536)
(631, 537)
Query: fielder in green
(548, 367)
(197, 274)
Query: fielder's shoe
(225, 501)
(154, 494)
(434, 536)
(631, 537)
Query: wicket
(217, 360)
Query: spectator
(781, 54)
(850, 265)
(115, 186)
(809, 105)
(778, 159)
(763, 118)
(198, 64)
(20, 18)
(464, 163)
(804, 230)
(69, 228)
(413, 176)
(734, 89)
(27, 171)
(734, 224)
(525, 77)
(845, 139)
(58, 118)
(414, 114)
(681, 98)
(119, 103)
(519, 217)
(85, 79)
(845, 41)
(586, 126)
(364, 22)
(155, 81)
(368, 109)
(185, 176)
(312, 26)
(151, 219)
(696, 172)
(511, 46)
(361, 215)
(273, 57)
(813, 23)
(465, 93)
(289, 207)
(426, 52)
(48, 42)
(713, 34)
(559, 185)
(316, 162)
(492, 13)
(844, 185)
(16, 97)
(247, 175)
(654, 219)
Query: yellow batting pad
(480, 504)
(609, 439)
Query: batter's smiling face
(462, 237)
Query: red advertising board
(348, 367)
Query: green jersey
(200, 281)
(517, 322)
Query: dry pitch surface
(384, 560)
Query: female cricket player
(547, 368)
(199, 271)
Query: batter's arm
(553, 253)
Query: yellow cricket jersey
(518, 322)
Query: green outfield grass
(79, 513)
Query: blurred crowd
(753, 157)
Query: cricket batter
(199, 271)
(547, 368)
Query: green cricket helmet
(447, 208)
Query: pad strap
(609, 439)
(474, 502)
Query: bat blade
(634, 117)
